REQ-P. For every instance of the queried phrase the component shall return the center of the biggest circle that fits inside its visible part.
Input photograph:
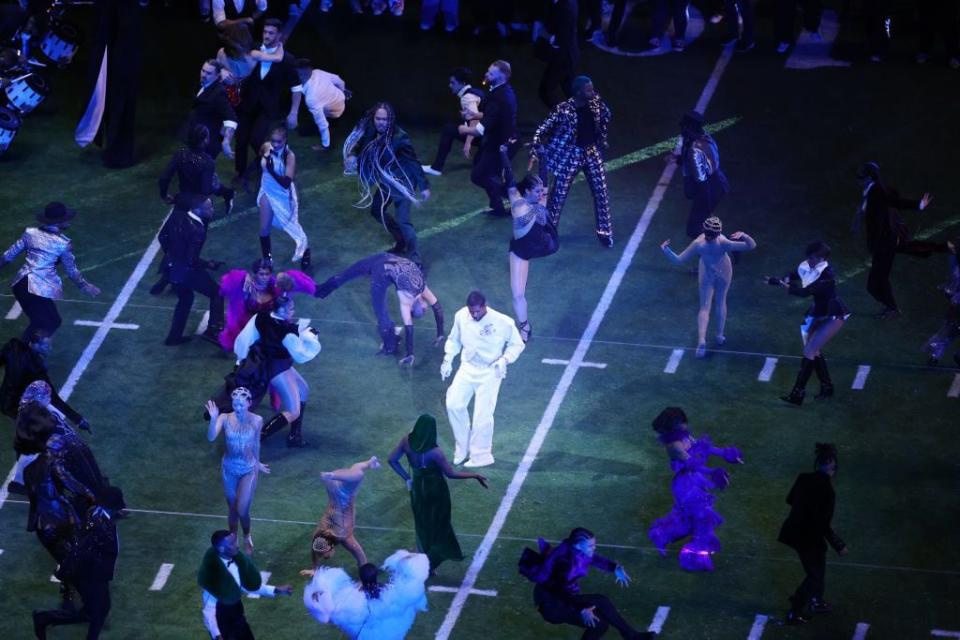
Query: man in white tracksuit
(487, 342)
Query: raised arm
(354, 473)
(513, 194)
(740, 241)
(302, 348)
(15, 249)
(216, 421)
(685, 255)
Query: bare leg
(706, 300)
(519, 269)
(266, 216)
(720, 293)
(821, 336)
(351, 545)
(302, 386)
(230, 493)
(245, 490)
(289, 391)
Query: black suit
(564, 58)
(182, 238)
(887, 235)
(807, 530)
(263, 102)
(22, 366)
(499, 126)
(89, 567)
(210, 108)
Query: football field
(614, 333)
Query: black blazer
(270, 95)
(885, 228)
(22, 366)
(210, 109)
(808, 527)
(182, 239)
(499, 121)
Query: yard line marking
(113, 325)
(203, 322)
(264, 576)
(512, 538)
(940, 633)
(861, 378)
(14, 312)
(861, 631)
(674, 361)
(161, 578)
(569, 372)
(767, 372)
(954, 391)
(658, 619)
(594, 365)
(98, 337)
(490, 593)
(759, 622)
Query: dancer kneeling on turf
(557, 572)
(282, 343)
(692, 514)
(716, 273)
(824, 318)
(241, 464)
(534, 236)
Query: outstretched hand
(439, 340)
(736, 235)
(264, 468)
(925, 201)
(621, 576)
(482, 480)
(665, 243)
(589, 618)
(212, 409)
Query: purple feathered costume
(692, 514)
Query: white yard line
(160, 580)
(759, 622)
(490, 593)
(861, 631)
(940, 633)
(563, 386)
(98, 337)
(659, 618)
(954, 391)
(674, 362)
(589, 365)
(114, 325)
(860, 380)
(767, 372)
(203, 322)
(14, 312)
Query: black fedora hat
(55, 213)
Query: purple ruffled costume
(692, 514)
(241, 307)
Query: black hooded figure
(114, 82)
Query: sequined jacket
(561, 129)
(45, 248)
(700, 158)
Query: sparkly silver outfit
(703, 159)
(44, 249)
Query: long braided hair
(377, 165)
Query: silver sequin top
(44, 249)
(243, 448)
(536, 214)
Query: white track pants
(481, 384)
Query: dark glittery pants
(589, 161)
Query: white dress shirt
(220, 13)
(302, 348)
(210, 601)
(482, 343)
(468, 101)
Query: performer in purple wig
(692, 514)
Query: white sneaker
(430, 171)
(482, 462)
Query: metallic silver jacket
(44, 249)
(702, 159)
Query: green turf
(790, 155)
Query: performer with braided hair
(383, 158)
(692, 514)
(534, 235)
(385, 269)
(808, 530)
(571, 140)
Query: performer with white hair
(487, 342)
(371, 610)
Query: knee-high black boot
(265, 248)
(799, 387)
(274, 424)
(295, 438)
(826, 386)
